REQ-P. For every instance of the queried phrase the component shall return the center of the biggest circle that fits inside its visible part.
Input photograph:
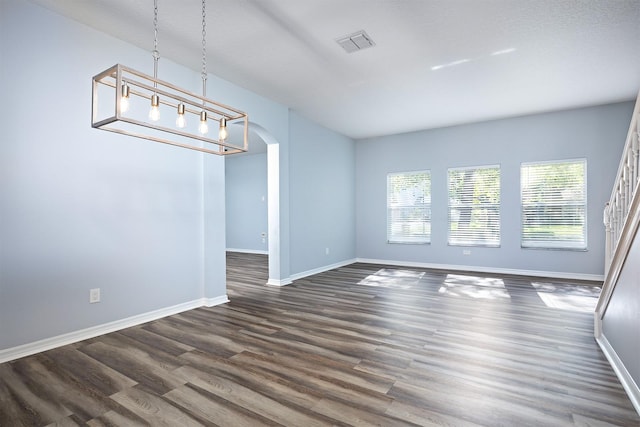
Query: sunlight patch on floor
(392, 278)
(474, 287)
(574, 298)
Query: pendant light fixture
(132, 103)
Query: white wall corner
(279, 282)
(211, 302)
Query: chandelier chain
(204, 50)
(155, 28)
(204, 40)
(155, 53)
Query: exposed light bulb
(180, 120)
(222, 133)
(203, 127)
(124, 99)
(124, 105)
(154, 112)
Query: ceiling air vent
(356, 41)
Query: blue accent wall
(595, 133)
(246, 202)
(322, 189)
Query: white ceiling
(435, 63)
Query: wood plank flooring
(360, 345)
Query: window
(554, 201)
(474, 206)
(409, 207)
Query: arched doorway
(277, 275)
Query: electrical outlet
(94, 295)
(466, 252)
(326, 251)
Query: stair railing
(621, 214)
(617, 209)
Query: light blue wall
(596, 133)
(622, 317)
(82, 208)
(322, 191)
(246, 187)
(212, 241)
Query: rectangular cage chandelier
(132, 103)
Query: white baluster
(635, 150)
(614, 224)
(625, 187)
(606, 218)
(619, 215)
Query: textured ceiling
(435, 63)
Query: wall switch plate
(94, 295)
(326, 251)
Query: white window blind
(474, 206)
(409, 207)
(554, 201)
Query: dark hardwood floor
(360, 345)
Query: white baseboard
(624, 376)
(279, 282)
(69, 338)
(248, 251)
(322, 269)
(297, 276)
(495, 270)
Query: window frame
(478, 242)
(425, 206)
(550, 246)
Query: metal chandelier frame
(145, 86)
(118, 88)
